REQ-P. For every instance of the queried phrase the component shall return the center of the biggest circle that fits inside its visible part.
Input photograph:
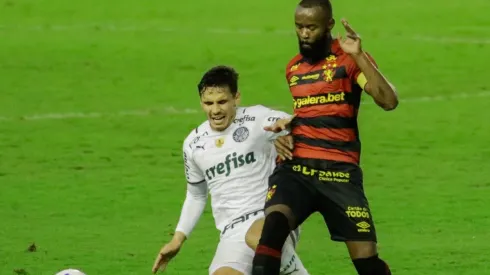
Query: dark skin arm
(284, 147)
(283, 144)
(377, 86)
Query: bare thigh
(225, 270)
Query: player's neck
(329, 47)
(322, 52)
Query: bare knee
(226, 270)
(361, 250)
(253, 234)
(284, 209)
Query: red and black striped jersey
(326, 98)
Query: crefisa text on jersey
(243, 119)
(226, 167)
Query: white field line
(451, 40)
(187, 111)
(242, 31)
(472, 28)
(237, 31)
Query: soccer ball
(70, 272)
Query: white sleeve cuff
(194, 204)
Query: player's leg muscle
(255, 231)
(267, 260)
(289, 203)
(253, 234)
(365, 258)
(290, 261)
(363, 249)
(284, 210)
(226, 270)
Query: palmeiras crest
(240, 134)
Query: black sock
(267, 260)
(371, 266)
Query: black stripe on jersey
(356, 93)
(196, 183)
(307, 78)
(333, 122)
(340, 73)
(316, 76)
(347, 146)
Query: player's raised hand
(280, 125)
(352, 43)
(284, 146)
(166, 254)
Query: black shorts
(333, 189)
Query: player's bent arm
(272, 117)
(375, 84)
(194, 204)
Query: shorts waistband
(321, 164)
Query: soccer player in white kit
(231, 156)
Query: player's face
(219, 104)
(313, 28)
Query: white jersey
(234, 164)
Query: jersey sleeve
(197, 191)
(193, 174)
(292, 66)
(356, 74)
(193, 207)
(270, 117)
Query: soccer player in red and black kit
(326, 80)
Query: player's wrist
(358, 56)
(179, 238)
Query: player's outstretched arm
(280, 125)
(374, 83)
(193, 207)
(283, 141)
(277, 126)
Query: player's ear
(201, 94)
(331, 24)
(201, 102)
(237, 98)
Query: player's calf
(267, 260)
(364, 255)
(290, 262)
(371, 266)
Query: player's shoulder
(258, 115)
(294, 63)
(196, 133)
(253, 112)
(253, 109)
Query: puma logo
(290, 264)
(292, 272)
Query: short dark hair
(323, 4)
(219, 76)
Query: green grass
(104, 193)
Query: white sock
(290, 261)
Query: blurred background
(96, 98)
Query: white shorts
(232, 250)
